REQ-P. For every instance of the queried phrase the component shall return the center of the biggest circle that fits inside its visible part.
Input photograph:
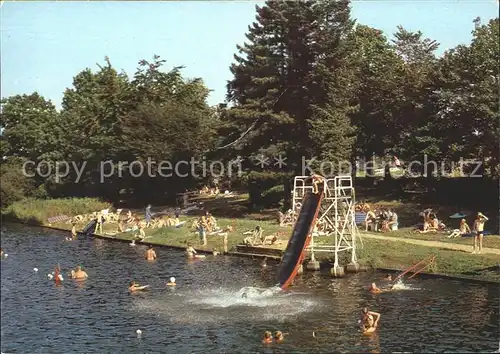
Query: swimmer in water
(190, 251)
(374, 289)
(268, 337)
(244, 295)
(279, 336)
(136, 287)
(369, 321)
(388, 277)
(171, 282)
(150, 254)
(79, 274)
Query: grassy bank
(375, 253)
(37, 211)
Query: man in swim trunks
(479, 227)
(368, 322)
(79, 274)
(316, 180)
(150, 254)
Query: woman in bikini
(462, 230)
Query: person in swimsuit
(190, 251)
(369, 320)
(279, 336)
(136, 287)
(79, 274)
(171, 282)
(268, 337)
(479, 227)
(316, 180)
(375, 289)
(150, 254)
(462, 230)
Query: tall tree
(30, 127)
(466, 108)
(289, 83)
(380, 77)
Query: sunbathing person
(462, 230)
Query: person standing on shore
(148, 215)
(479, 227)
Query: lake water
(205, 313)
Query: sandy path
(435, 244)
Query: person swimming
(244, 296)
(171, 282)
(150, 254)
(279, 336)
(136, 287)
(268, 337)
(369, 321)
(190, 251)
(388, 277)
(375, 289)
(79, 274)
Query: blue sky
(45, 44)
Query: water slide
(301, 236)
(89, 229)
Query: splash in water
(229, 306)
(399, 285)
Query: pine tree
(289, 82)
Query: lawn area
(491, 241)
(375, 253)
(398, 255)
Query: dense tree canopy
(308, 83)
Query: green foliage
(39, 210)
(14, 186)
(306, 83)
(287, 82)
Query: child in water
(278, 336)
(268, 337)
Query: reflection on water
(207, 311)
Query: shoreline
(269, 257)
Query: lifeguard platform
(336, 220)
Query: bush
(37, 211)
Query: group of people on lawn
(382, 220)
